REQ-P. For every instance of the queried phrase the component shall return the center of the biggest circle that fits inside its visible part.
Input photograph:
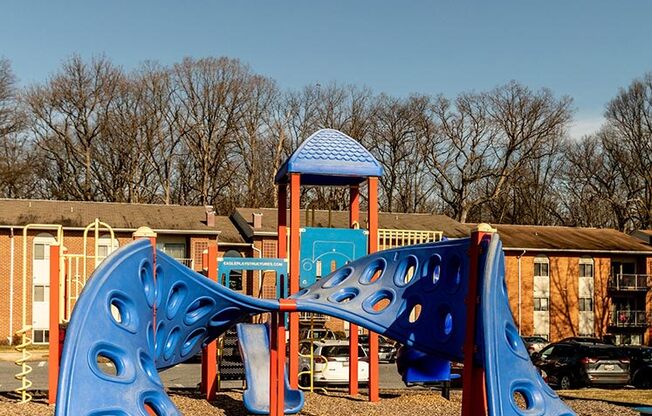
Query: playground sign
(228, 264)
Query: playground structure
(145, 312)
(192, 310)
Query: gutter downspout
(260, 273)
(519, 292)
(11, 285)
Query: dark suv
(640, 367)
(570, 364)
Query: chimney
(210, 216)
(257, 220)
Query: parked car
(640, 365)
(570, 364)
(317, 334)
(534, 344)
(331, 362)
(386, 348)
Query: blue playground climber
(191, 310)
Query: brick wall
(564, 281)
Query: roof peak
(329, 157)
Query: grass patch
(624, 396)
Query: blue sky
(585, 49)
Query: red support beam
(281, 243)
(55, 347)
(293, 277)
(277, 365)
(474, 397)
(372, 185)
(354, 218)
(209, 379)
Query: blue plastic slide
(254, 349)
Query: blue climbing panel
(414, 295)
(191, 311)
(508, 369)
(321, 248)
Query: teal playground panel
(227, 265)
(323, 250)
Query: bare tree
(213, 94)
(68, 115)
(484, 139)
(16, 169)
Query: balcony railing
(630, 282)
(629, 319)
(390, 238)
(186, 262)
(315, 317)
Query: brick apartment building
(561, 281)
(182, 232)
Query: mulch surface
(393, 402)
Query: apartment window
(174, 250)
(198, 248)
(41, 336)
(541, 266)
(586, 267)
(541, 304)
(269, 248)
(104, 246)
(40, 251)
(586, 305)
(41, 293)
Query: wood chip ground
(401, 402)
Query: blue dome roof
(330, 157)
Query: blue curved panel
(508, 369)
(428, 280)
(191, 310)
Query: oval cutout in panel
(373, 272)
(378, 302)
(432, 271)
(337, 278)
(405, 271)
(198, 310)
(123, 311)
(171, 343)
(344, 295)
(225, 316)
(147, 280)
(192, 340)
(176, 297)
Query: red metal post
(273, 367)
(209, 354)
(354, 217)
(282, 219)
(474, 397)
(293, 277)
(54, 349)
(372, 184)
